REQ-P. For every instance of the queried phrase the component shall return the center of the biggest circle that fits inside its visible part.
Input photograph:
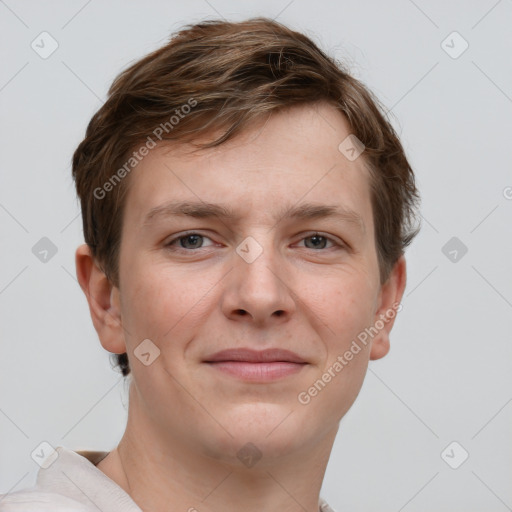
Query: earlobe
(391, 293)
(103, 299)
(380, 346)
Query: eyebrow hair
(202, 210)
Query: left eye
(317, 241)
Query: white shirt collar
(75, 476)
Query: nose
(258, 292)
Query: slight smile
(257, 366)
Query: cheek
(338, 379)
(162, 305)
(345, 305)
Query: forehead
(289, 158)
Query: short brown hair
(229, 74)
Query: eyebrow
(202, 210)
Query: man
(246, 207)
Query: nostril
(241, 312)
(279, 312)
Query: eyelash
(170, 243)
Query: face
(262, 247)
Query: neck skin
(158, 474)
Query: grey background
(447, 377)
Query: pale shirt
(73, 483)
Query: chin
(263, 430)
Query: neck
(159, 471)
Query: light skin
(314, 287)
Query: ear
(103, 299)
(390, 295)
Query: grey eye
(317, 242)
(195, 241)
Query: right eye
(188, 242)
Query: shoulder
(325, 507)
(69, 481)
(36, 500)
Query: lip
(257, 366)
(248, 355)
